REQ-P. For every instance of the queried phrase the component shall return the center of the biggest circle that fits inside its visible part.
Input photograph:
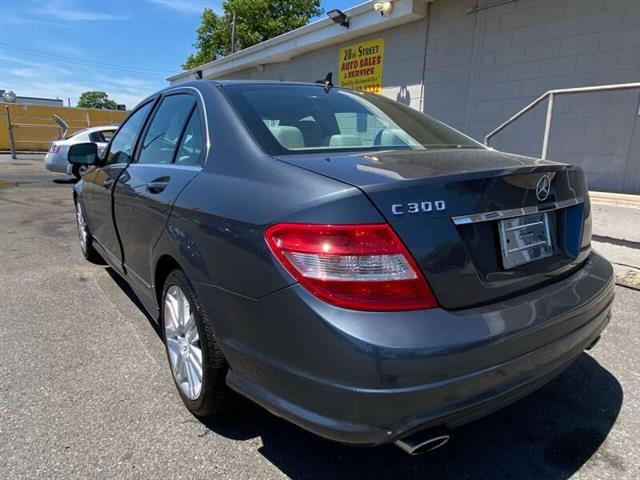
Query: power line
(79, 61)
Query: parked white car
(56, 158)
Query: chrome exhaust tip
(422, 442)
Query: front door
(168, 157)
(100, 181)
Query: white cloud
(10, 19)
(62, 78)
(130, 83)
(129, 90)
(23, 72)
(66, 49)
(41, 66)
(33, 87)
(188, 6)
(68, 12)
(130, 100)
(38, 80)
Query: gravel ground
(86, 391)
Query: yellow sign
(361, 66)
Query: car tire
(85, 238)
(78, 171)
(213, 395)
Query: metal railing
(551, 94)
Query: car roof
(197, 83)
(95, 129)
(105, 127)
(88, 130)
(200, 84)
(266, 82)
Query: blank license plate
(525, 239)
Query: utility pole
(233, 33)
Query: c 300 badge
(414, 208)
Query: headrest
(288, 137)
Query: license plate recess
(525, 239)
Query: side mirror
(83, 154)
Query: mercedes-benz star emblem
(543, 187)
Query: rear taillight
(54, 148)
(361, 267)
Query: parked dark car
(348, 263)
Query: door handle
(158, 185)
(107, 183)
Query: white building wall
(403, 64)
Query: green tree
(256, 21)
(96, 100)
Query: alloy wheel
(183, 342)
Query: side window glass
(190, 150)
(161, 139)
(123, 143)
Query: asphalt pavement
(86, 392)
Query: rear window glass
(289, 119)
(78, 133)
(101, 136)
(107, 135)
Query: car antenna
(327, 83)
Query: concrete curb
(627, 276)
(616, 199)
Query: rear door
(99, 183)
(168, 157)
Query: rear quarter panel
(217, 226)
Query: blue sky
(61, 48)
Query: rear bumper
(369, 378)
(55, 163)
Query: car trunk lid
(447, 204)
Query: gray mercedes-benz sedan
(356, 267)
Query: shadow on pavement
(65, 181)
(550, 434)
(126, 288)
